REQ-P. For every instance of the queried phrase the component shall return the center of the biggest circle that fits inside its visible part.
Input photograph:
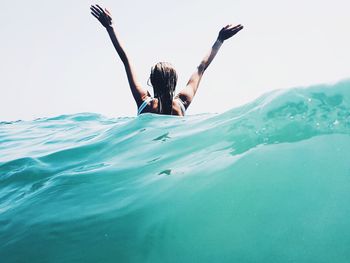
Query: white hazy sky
(57, 59)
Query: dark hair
(164, 78)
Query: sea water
(265, 182)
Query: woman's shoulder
(178, 107)
(145, 105)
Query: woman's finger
(95, 15)
(100, 9)
(233, 27)
(239, 28)
(108, 13)
(97, 11)
(236, 28)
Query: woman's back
(153, 106)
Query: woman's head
(164, 78)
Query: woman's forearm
(118, 47)
(210, 56)
(190, 90)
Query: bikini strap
(182, 106)
(144, 104)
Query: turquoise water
(266, 182)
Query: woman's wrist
(219, 40)
(109, 27)
(218, 43)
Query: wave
(265, 182)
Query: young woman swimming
(163, 75)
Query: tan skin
(139, 93)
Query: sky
(57, 59)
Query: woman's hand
(104, 16)
(229, 31)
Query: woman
(163, 76)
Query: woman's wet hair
(164, 78)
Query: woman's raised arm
(187, 94)
(105, 18)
